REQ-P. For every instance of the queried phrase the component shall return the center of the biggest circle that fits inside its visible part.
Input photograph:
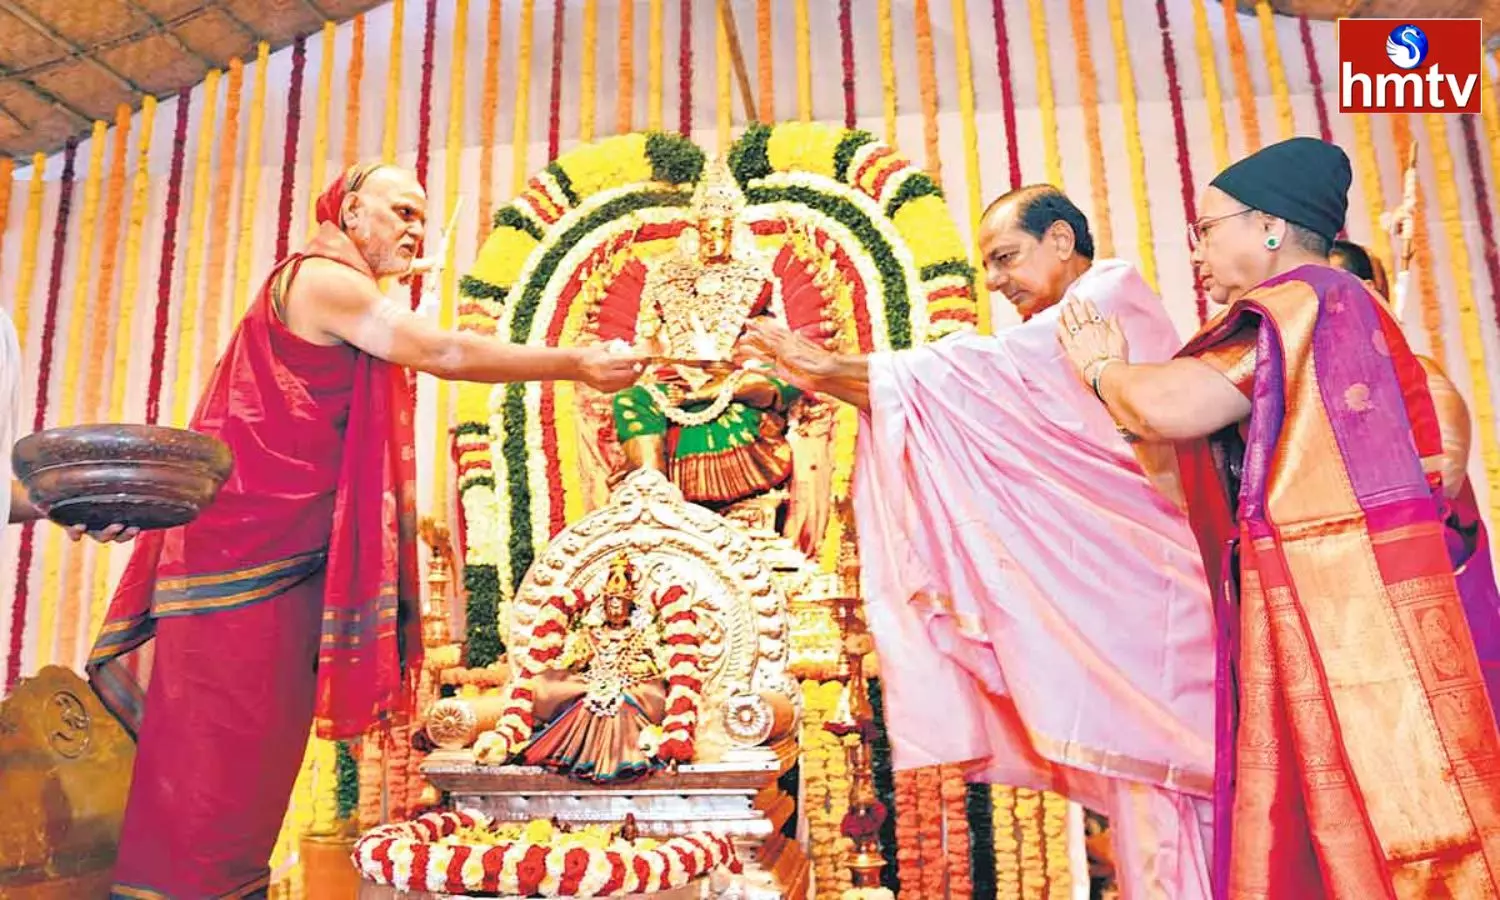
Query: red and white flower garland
(545, 646)
(408, 856)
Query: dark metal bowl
(140, 476)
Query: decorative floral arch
(563, 267)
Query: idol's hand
(110, 535)
(609, 370)
(1088, 339)
(797, 360)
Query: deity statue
(599, 710)
(716, 428)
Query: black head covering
(1302, 179)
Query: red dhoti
(290, 600)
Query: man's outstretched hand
(797, 360)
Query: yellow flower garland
(1213, 95)
(1088, 90)
(523, 97)
(1134, 153)
(1045, 101)
(654, 67)
(764, 49)
(7, 181)
(965, 63)
(588, 75)
(1422, 263)
(60, 595)
(393, 83)
(1007, 848)
(826, 785)
(192, 288)
(723, 99)
(29, 235)
(625, 90)
(1055, 848)
(488, 106)
(218, 238)
(1471, 328)
(250, 181)
(1276, 69)
(352, 101)
(804, 63)
(887, 69)
(1370, 185)
(452, 157)
(320, 126)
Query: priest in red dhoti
(1358, 751)
(291, 599)
(1033, 586)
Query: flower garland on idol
(545, 646)
(462, 852)
(578, 216)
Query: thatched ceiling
(1486, 10)
(64, 63)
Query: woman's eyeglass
(1197, 230)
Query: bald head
(385, 213)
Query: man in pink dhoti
(291, 600)
(1035, 592)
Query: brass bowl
(139, 476)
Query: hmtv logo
(1409, 65)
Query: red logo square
(1410, 65)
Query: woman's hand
(1088, 339)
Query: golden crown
(622, 576)
(718, 195)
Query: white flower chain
(722, 399)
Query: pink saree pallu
(1039, 605)
(1359, 752)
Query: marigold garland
(424, 122)
(1007, 845)
(654, 63)
(589, 73)
(60, 596)
(887, 69)
(1471, 329)
(393, 82)
(289, 146)
(954, 794)
(1088, 94)
(29, 236)
(169, 253)
(7, 182)
(625, 93)
(1046, 101)
(452, 158)
(250, 182)
(354, 91)
(129, 276)
(685, 68)
(1490, 108)
(1425, 270)
(554, 89)
(50, 575)
(1213, 94)
(1368, 167)
(218, 238)
(1271, 45)
(964, 62)
(825, 786)
(1134, 152)
(927, 82)
(1239, 66)
(723, 96)
(1179, 130)
(1315, 78)
(764, 60)
(1007, 91)
(1480, 191)
(489, 106)
(804, 61)
(326, 63)
(908, 831)
(932, 857)
(846, 56)
(519, 138)
(187, 336)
